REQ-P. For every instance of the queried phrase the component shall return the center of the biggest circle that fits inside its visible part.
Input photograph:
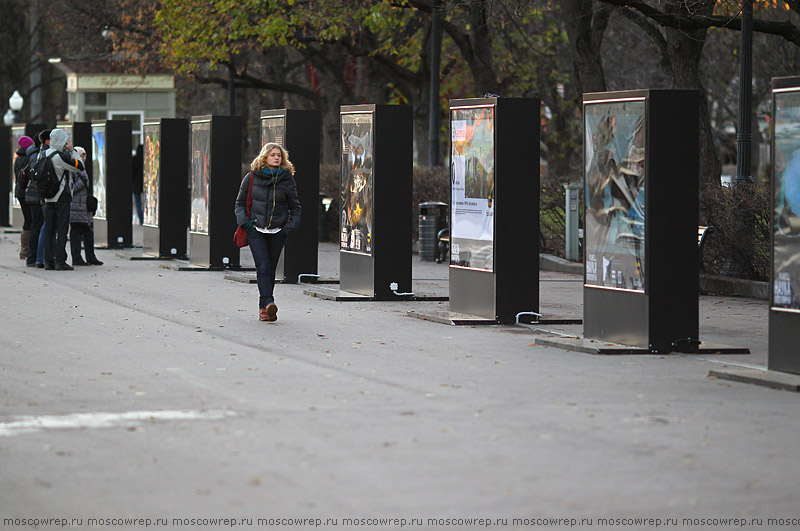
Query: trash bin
(432, 219)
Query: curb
(549, 262)
(737, 287)
(709, 284)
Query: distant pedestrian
(20, 183)
(34, 203)
(81, 220)
(138, 181)
(275, 210)
(32, 196)
(66, 163)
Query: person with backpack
(36, 242)
(20, 184)
(58, 166)
(80, 219)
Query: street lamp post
(740, 255)
(15, 102)
(744, 136)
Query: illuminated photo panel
(356, 183)
(152, 173)
(201, 161)
(786, 216)
(99, 167)
(472, 172)
(615, 194)
(273, 129)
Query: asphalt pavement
(135, 395)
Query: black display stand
(494, 275)
(784, 312)
(166, 161)
(298, 131)
(81, 135)
(376, 191)
(641, 290)
(216, 173)
(7, 185)
(113, 183)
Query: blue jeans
(56, 226)
(266, 249)
(37, 220)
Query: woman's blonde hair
(261, 160)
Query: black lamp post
(436, 50)
(744, 137)
(740, 255)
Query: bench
(702, 233)
(443, 237)
(444, 243)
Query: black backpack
(44, 175)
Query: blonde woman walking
(275, 211)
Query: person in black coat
(20, 183)
(275, 210)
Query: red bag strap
(249, 202)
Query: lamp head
(15, 101)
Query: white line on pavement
(29, 424)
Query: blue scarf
(267, 172)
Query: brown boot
(23, 244)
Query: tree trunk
(684, 50)
(585, 24)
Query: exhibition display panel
(375, 200)
(784, 310)
(215, 175)
(298, 131)
(112, 170)
(494, 221)
(641, 164)
(81, 135)
(165, 193)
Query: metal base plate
(463, 319)
(774, 379)
(179, 265)
(332, 294)
(141, 257)
(250, 278)
(594, 346)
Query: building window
(92, 116)
(94, 98)
(136, 118)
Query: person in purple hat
(20, 183)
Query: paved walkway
(135, 391)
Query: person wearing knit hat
(20, 184)
(67, 164)
(43, 141)
(25, 142)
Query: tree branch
(785, 29)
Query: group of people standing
(267, 207)
(47, 221)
